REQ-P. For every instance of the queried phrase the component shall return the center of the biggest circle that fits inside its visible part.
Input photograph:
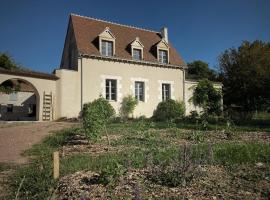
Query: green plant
(95, 116)
(128, 105)
(196, 136)
(169, 110)
(207, 97)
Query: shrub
(127, 106)
(169, 110)
(95, 115)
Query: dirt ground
(16, 138)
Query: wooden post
(56, 165)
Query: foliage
(245, 73)
(169, 110)
(207, 97)
(128, 105)
(95, 116)
(7, 62)
(200, 70)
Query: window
(139, 90)
(106, 48)
(111, 89)
(13, 96)
(137, 54)
(10, 108)
(163, 56)
(166, 92)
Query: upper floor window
(166, 91)
(139, 90)
(106, 42)
(106, 48)
(163, 56)
(111, 89)
(137, 49)
(137, 54)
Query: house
(102, 58)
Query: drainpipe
(81, 58)
(184, 92)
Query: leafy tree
(95, 116)
(207, 97)
(7, 62)
(245, 73)
(128, 105)
(200, 70)
(169, 110)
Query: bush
(95, 115)
(169, 110)
(127, 106)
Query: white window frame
(163, 46)
(110, 89)
(107, 36)
(106, 47)
(161, 59)
(164, 91)
(137, 88)
(133, 55)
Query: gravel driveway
(16, 138)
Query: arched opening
(19, 101)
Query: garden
(170, 156)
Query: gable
(107, 34)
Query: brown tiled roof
(86, 35)
(32, 74)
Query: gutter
(134, 61)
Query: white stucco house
(108, 59)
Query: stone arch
(35, 91)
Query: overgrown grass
(153, 148)
(36, 178)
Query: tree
(207, 97)
(128, 105)
(245, 74)
(200, 70)
(7, 62)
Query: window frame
(139, 96)
(166, 92)
(140, 54)
(107, 47)
(161, 54)
(108, 93)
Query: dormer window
(106, 48)
(163, 52)
(163, 56)
(107, 43)
(137, 54)
(137, 49)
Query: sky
(33, 31)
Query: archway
(19, 100)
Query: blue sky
(33, 32)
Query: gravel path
(16, 138)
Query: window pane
(111, 89)
(137, 54)
(106, 48)
(163, 56)
(166, 93)
(139, 91)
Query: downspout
(184, 92)
(81, 58)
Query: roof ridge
(124, 25)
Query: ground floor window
(166, 91)
(139, 90)
(111, 89)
